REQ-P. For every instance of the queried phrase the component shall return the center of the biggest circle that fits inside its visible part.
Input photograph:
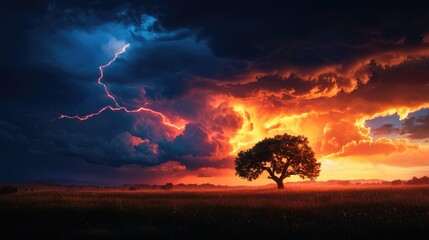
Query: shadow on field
(342, 213)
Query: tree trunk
(280, 184)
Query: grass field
(383, 212)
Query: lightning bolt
(117, 106)
(100, 68)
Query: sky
(195, 82)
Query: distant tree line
(167, 186)
(8, 190)
(412, 181)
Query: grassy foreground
(295, 213)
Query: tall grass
(295, 213)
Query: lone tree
(281, 156)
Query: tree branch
(272, 175)
(283, 175)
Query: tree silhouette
(281, 156)
(167, 186)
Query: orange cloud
(382, 146)
(331, 109)
(338, 134)
(169, 167)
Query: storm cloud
(225, 74)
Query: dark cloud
(122, 149)
(389, 87)
(153, 61)
(148, 126)
(416, 127)
(12, 137)
(298, 33)
(26, 83)
(385, 129)
(271, 35)
(194, 148)
(389, 84)
(185, 60)
(190, 147)
(292, 86)
(204, 175)
(173, 87)
(222, 119)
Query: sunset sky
(206, 79)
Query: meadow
(334, 212)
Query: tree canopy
(281, 156)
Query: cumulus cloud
(122, 149)
(382, 146)
(384, 129)
(413, 127)
(233, 73)
(326, 84)
(416, 127)
(193, 141)
(338, 134)
(194, 147)
(222, 119)
(171, 167)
